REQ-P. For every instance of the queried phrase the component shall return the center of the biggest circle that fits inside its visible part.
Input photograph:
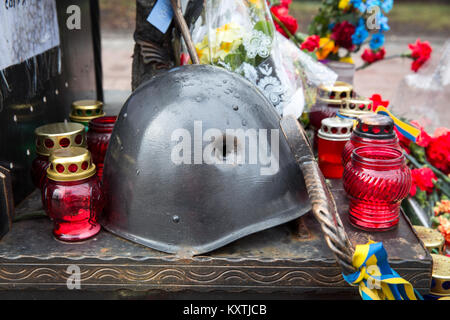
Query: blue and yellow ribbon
(354, 119)
(375, 278)
(410, 132)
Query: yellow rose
(202, 49)
(223, 41)
(347, 59)
(343, 4)
(326, 46)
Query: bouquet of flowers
(343, 26)
(240, 35)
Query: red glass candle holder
(72, 194)
(332, 138)
(376, 181)
(52, 137)
(39, 170)
(371, 130)
(100, 130)
(328, 102)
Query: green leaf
(421, 197)
(234, 60)
(266, 27)
(418, 152)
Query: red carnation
(342, 35)
(282, 13)
(285, 3)
(311, 43)
(420, 53)
(423, 179)
(371, 56)
(378, 101)
(424, 138)
(438, 152)
(184, 59)
(440, 132)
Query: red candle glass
(376, 180)
(371, 130)
(100, 130)
(328, 103)
(72, 194)
(39, 170)
(332, 138)
(53, 137)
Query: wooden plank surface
(276, 262)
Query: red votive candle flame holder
(371, 130)
(332, 137)
(52, 137)
(376, 180)
(328, 102)
(72, 193)
(99, 134)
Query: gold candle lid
(70, 164)
(336, 93)
(86, 110)
(431, 238)
(356, 107)
(440, 284)
(60, 135)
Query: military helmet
(197, 160)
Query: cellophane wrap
(240, 35)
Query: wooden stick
(182, 25)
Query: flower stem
(411, 159)
(365, 65)
(438, 172)
(281, 24)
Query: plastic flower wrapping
(240, 36)
(424, 95)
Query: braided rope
(326, 214)
(323, 205)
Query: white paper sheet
(27, 28)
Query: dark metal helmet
(183, 172)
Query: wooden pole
(182, 25)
